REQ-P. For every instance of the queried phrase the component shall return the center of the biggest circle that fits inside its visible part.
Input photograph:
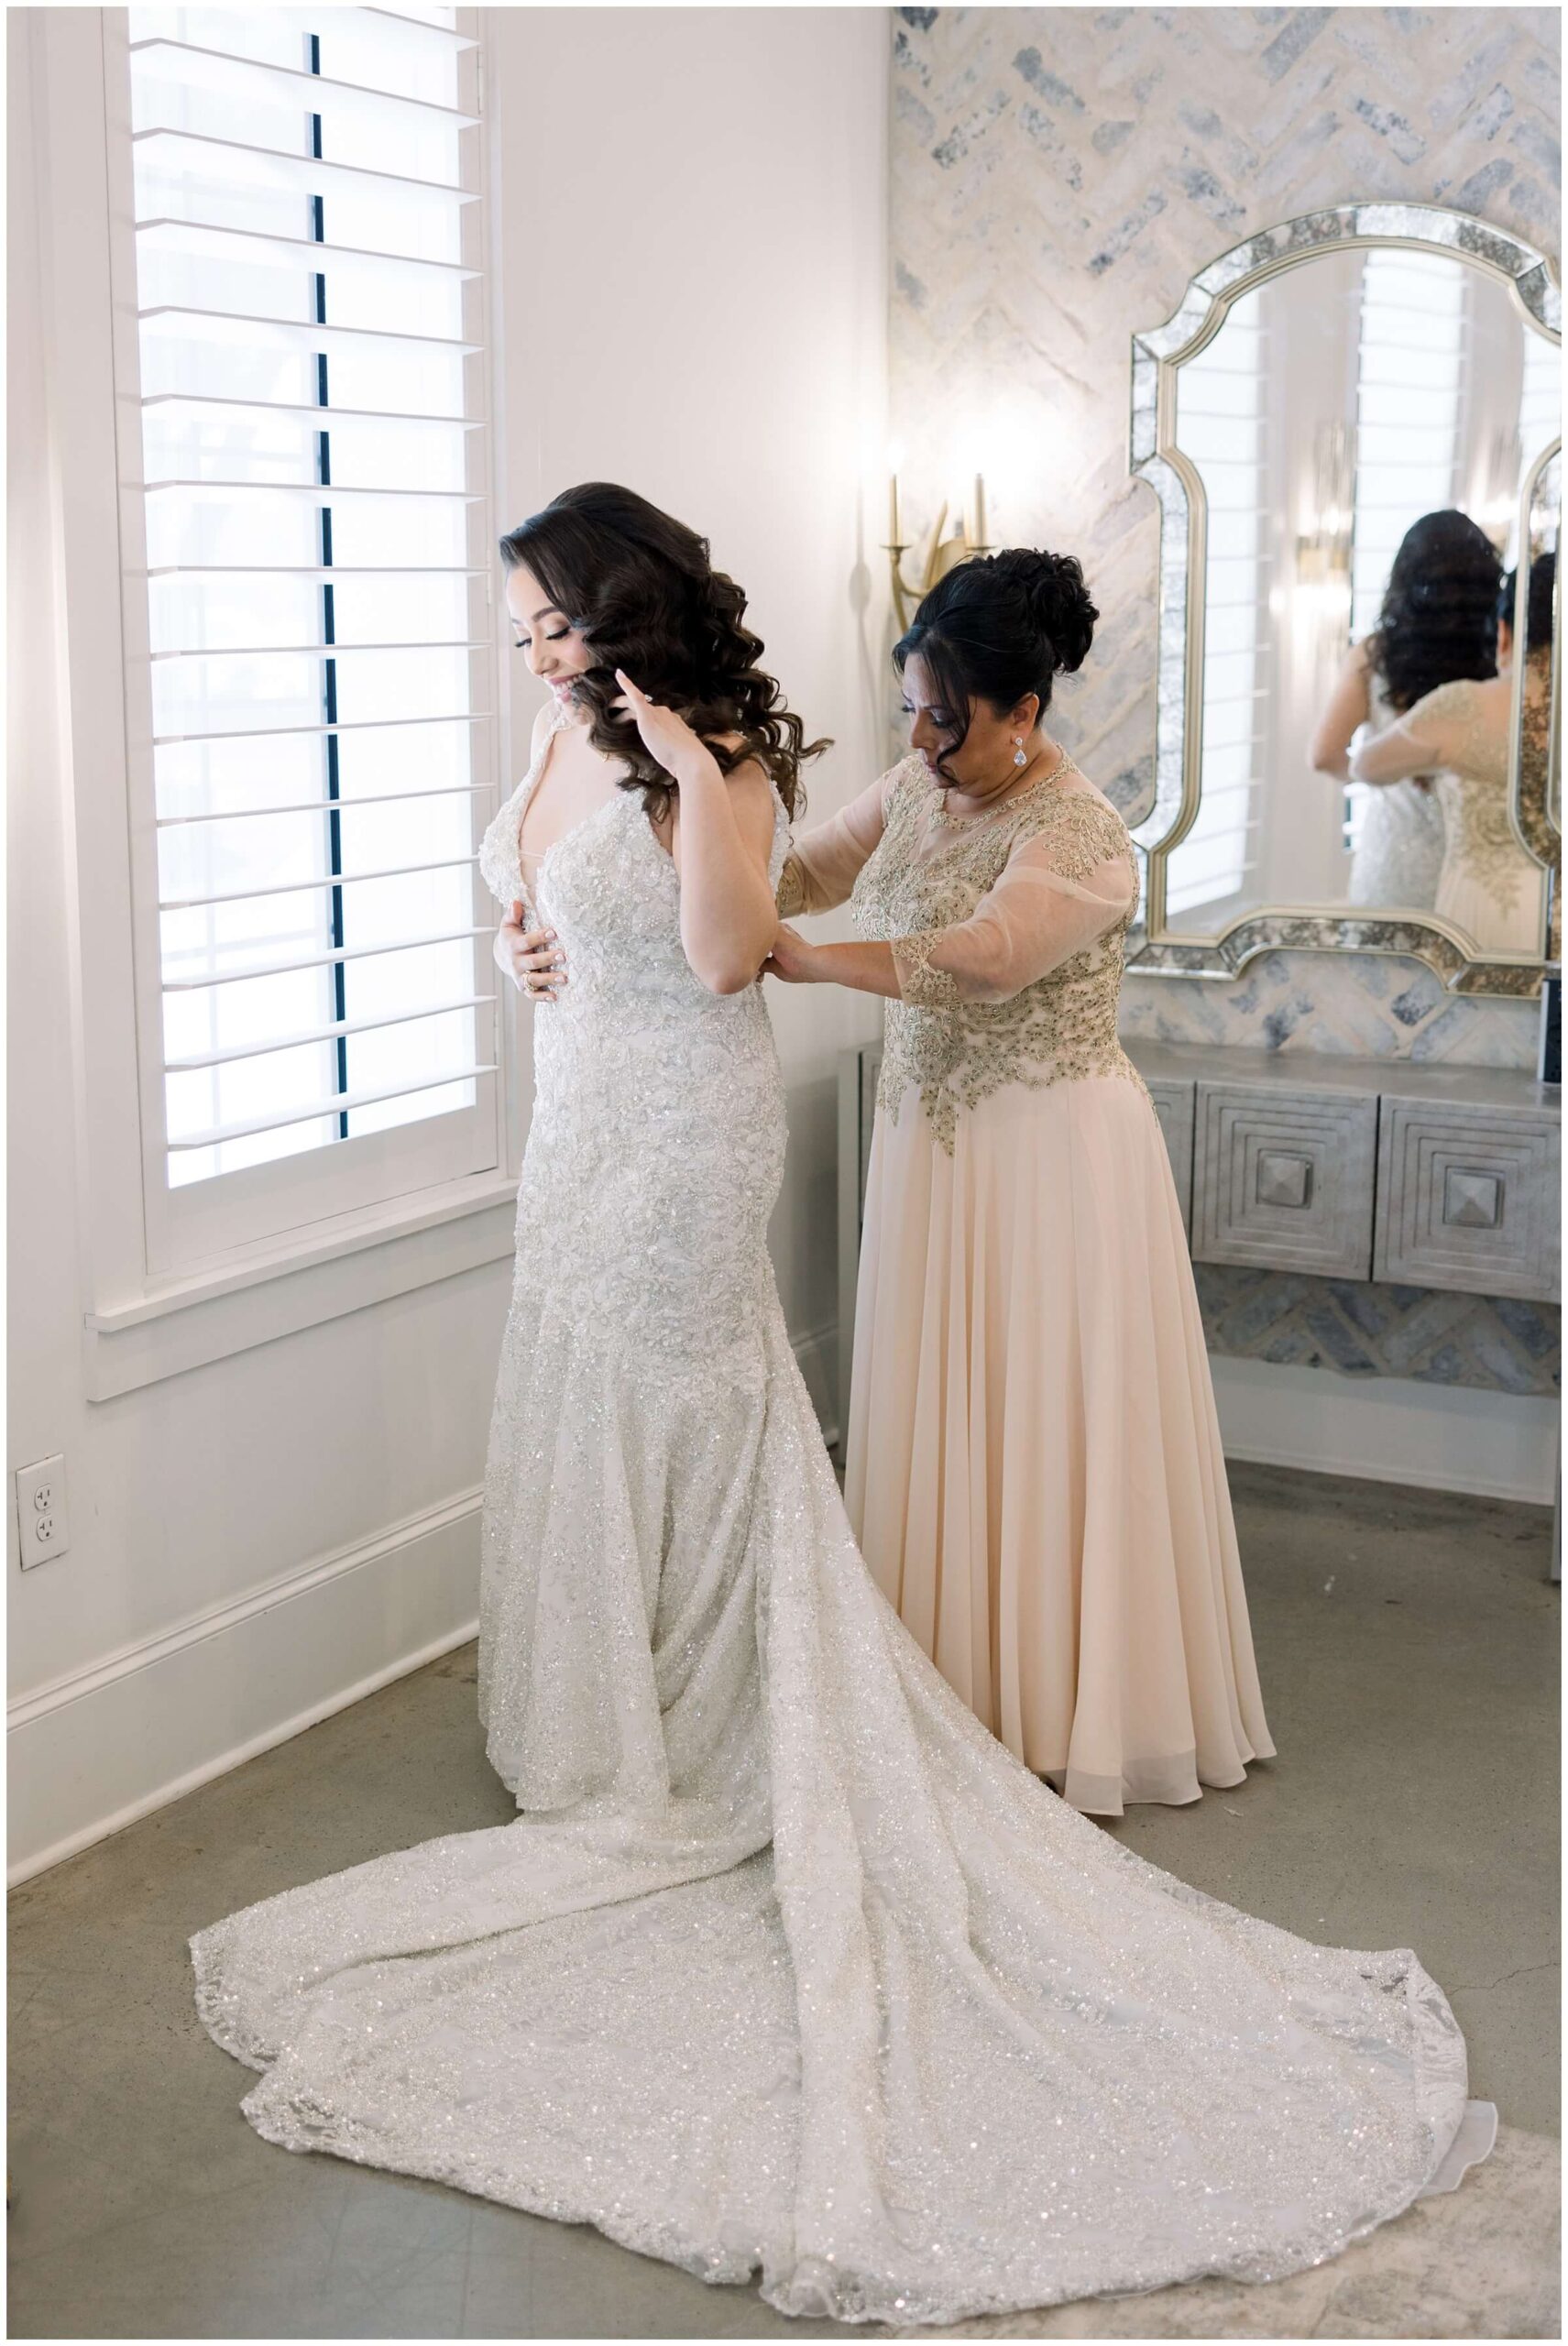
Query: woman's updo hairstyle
(997, 627)
(1540, 594)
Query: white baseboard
(95, 1752)
(1389, 1429)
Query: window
(1225, 429)
(1540, 423)
(1408, 399)
(299, 373)
(1540, 395)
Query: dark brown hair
(997, 627)
(1439, 619)
(642, 590)
(1539, 597)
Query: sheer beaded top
(1007, 930)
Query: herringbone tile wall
(1057, 176)
(1363, 1330)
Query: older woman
(1035, 1472)
(1460, 733)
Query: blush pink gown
(1034, 1473)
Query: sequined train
(788, 1970)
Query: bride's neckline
(561, 720)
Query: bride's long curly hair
(641, 589)
(1439, 616)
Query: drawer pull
(1471, 1201)
(1284, 1180)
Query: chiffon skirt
(1034, 1473)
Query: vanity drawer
(1468, 1199)
(1283, 1178)
(1174, 1103)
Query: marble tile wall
(1057, 176)
(1363, 1330)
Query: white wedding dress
(790, 1969)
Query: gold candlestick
(974, 529)
(939, 553)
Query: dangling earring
(1018, 757)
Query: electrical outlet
(40, 1511)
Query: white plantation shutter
(1540, 423)
(302, 454)
(1540, 395)
(1408, 399)
(1224, 427)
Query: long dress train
(790, 1969)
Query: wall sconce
(1323, 547)
(935, 554)
(1498, 504)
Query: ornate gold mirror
(1353, 425)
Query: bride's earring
(1018, 757)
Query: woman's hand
(792, 958)
(532, 957)
(667, 737)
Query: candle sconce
(935, 554)
(1323, 547)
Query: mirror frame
(1166, 809)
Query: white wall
(695, 304)
(692, 300)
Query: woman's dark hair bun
(1058, 602)
(997, 628)
(1541, 594)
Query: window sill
(190, 1322)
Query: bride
(788, 1969)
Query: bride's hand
(532, 957)
(792, 958)
(667, 737)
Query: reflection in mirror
(1540, 731)
(1363, 425)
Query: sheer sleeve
(1035, 916)
(1427, 739)
(821, 869)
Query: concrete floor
(1408, 1644)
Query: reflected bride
(789, 1967)
(1437, 622)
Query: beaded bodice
(929, 872)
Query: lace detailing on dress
(955, 1053)
(1473, 789)
(919, 979)
(1397, 858)
(791, 890)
